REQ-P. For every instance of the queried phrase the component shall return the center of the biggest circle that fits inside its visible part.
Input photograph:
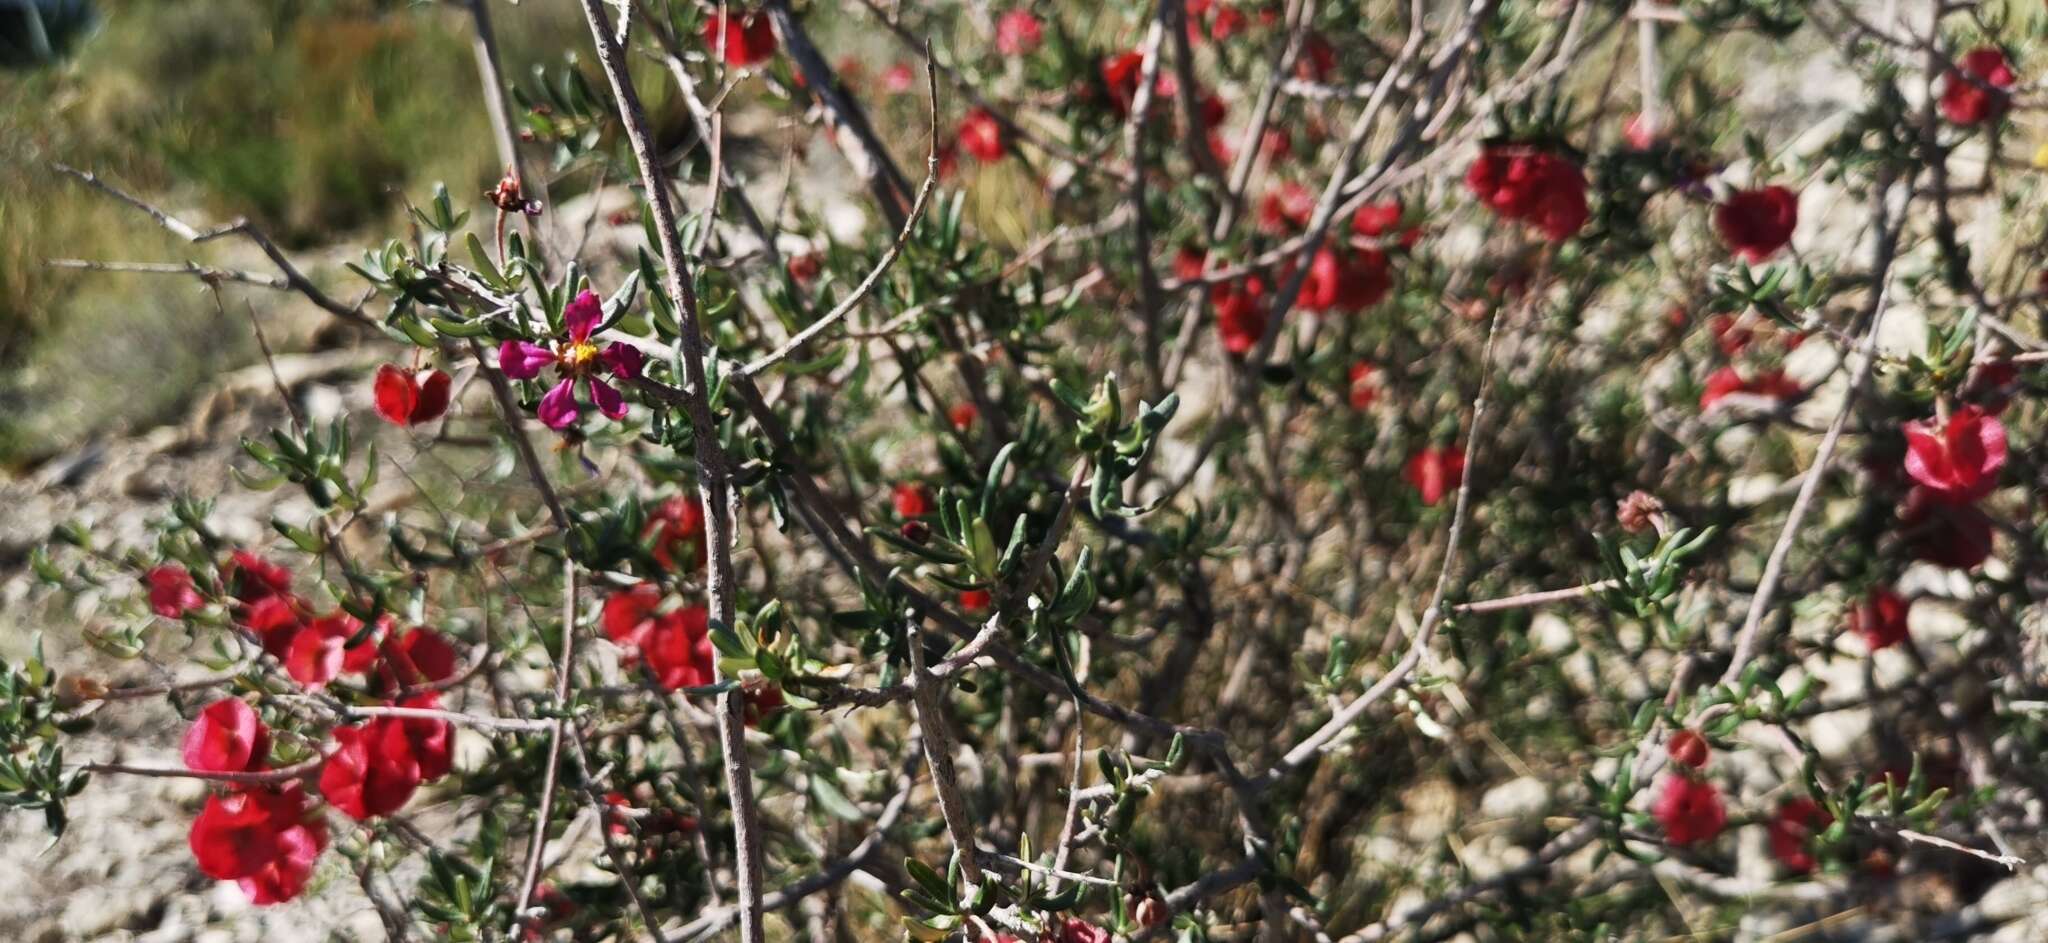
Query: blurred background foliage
(313, 118)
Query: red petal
(396, 394)
(433, 399)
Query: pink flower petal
(521, 360)
(558, 407)
(582, 315)
(608, 400)
(623, 360)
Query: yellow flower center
(578, 356)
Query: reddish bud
(1689, 748)
(1754, 224)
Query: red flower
(1240, 312)
(1435, 471)
(804, 269)
(227, 737)
(321, 651)
(1795, 822)
(981, 136)
(254, 578)
(419, 656)
(1756, 223)
(403, 399)
(1729, 334)
(676, 644)
(1641, 131)
(1690, 811)
(1345, 280)
(1966, 102)
(898, 79)
(171, 594)
(432, 742)
(1077, 930)
(1951, 535)
(1959, 462)
(1536, 187)
(1285, 209)
(1689, 748)
(1120, 75)
(275, 621)
(962, 416)
(1188, 262)
(1228, 22)
(1364, 386)
(1376, 219)
(749, 38)
(1018, 33)
(679, 650)
(628, 616)
(260, 838)
(1317, 59)
(676, 531)
(1276, 144)
(911, 499)
(1991, 386)
(1771, 383)
(1880, 619)
(760, 699)
(374, 771)
(975, 600)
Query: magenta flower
(576, 359)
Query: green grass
(317, 119)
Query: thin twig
(860, 292)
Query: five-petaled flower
(405, 398)
(1880, 619)
(1532, 186)
(1956, 461)
(1975, 91)
(579, 360)
(1690, 810)
(262, 838)
(1756, 223)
